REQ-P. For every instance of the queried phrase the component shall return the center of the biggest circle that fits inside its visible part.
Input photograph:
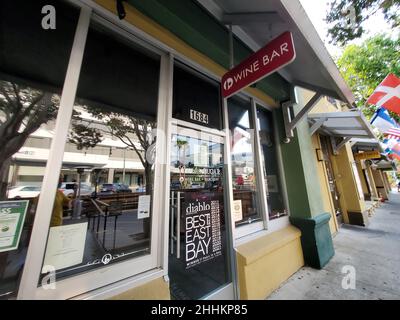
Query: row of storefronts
(188, 195)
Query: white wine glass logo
(228, 83)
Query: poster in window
(12, 217)
(237, 212)
(202, 228)
(65, 246)
(144, 207)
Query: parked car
(141, 189)
(20, 192)
(110, 188)
(68, 188)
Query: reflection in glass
(243, 161)
(33, 63)
(198, 256)
(195, 163)
(273, 186)
(105, 195)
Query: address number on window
(198, 116)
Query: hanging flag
(393, 133)
(393, 150)
(387, 94)
(382, 120)
(394, 155)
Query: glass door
(198, 245)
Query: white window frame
(94, 279)
(241, 232)
(281, 222)
(245, 233)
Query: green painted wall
(309, 162)
(192, 24)
(294, 172)
(300, 166)
(304, 191)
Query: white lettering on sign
(278, 53)
(202, 231)
(198, 116)
(255, 66)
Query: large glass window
(270, 165)
(104, 203)
(246, 207)
(33, 63)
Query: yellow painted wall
(156, 31)
(386, 181)
(326, 195)
(264, 263)
(362, 177)
(380, 185)
(322, 106)
(157, 289)
(346, 182)
(349, 199)
(372, 185)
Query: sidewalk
(373, 251)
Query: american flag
(387, 94)
(393, 133)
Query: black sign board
(202, 228)
(196, 99)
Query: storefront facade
(224, 207)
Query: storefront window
(270, 165)
(33, 63)
(243, 162)
(104, 203)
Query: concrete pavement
(374, 252)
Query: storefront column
(371, 182)
(352, 203)
(304, 194)
(386, 182)
(364, 183)
(110, 178)
(14, 178)
(380, 186)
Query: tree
(365, 66)
(136, 134)
(22, 111)
(348, 16)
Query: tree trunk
(4, 171)
(149, 191)
(148, 175)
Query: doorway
(327, 152)
(199, 258)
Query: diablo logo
(228, 83)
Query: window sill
(122, 286)
(273, 225)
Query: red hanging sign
(272, 57)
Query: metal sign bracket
(291, 124)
